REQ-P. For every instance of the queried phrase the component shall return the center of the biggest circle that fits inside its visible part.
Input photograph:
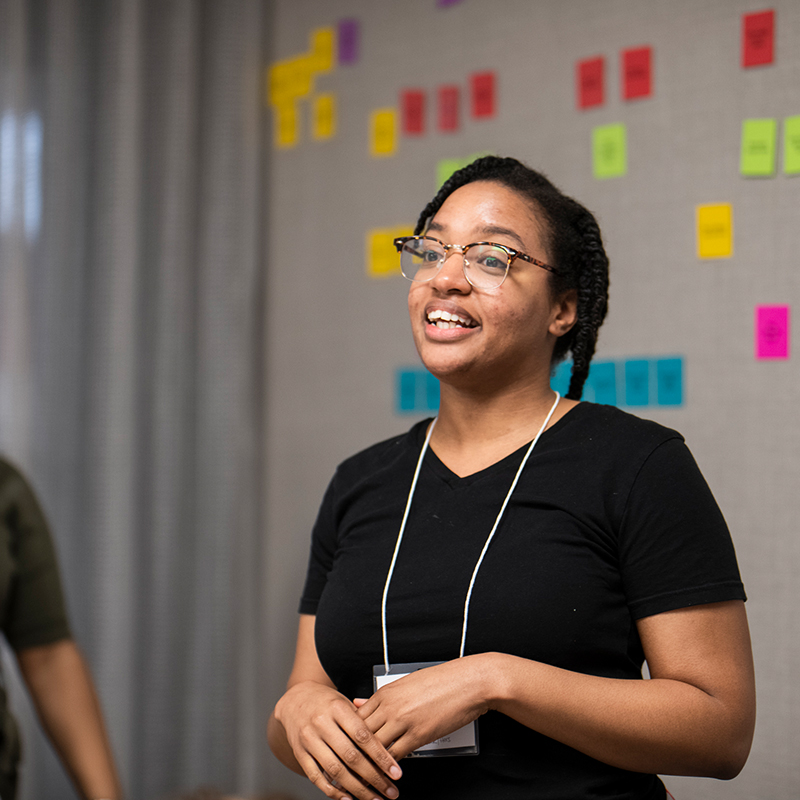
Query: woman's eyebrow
(488, 230)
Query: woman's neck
(473, 432)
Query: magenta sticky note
(349, 34)
(772, 332)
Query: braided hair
(574, 246)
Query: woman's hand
(427, 704)
(316, 731)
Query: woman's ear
(565, 313)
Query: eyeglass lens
(485, 266)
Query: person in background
(34, 622)
(483, 590)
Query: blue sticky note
(669, 381)
(637, 382)
(559, 381)
(431, 392)
(603, 378)
(406, 384)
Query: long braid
(574, 243)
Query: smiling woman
(489, 584)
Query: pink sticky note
(589, 74)
(758, 38)
(412, 102)
(448, 108)
(483, 94)
(637, 73)
(772, 332)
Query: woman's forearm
(63, 693)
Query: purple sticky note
(445, 3)
(348, 40)
(772, 332)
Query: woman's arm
(695, 716)
(63, 693)
(316, 731)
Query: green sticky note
(758, 147)
(609, 151)
(791, 145)
(445, 168)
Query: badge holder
(463, 742)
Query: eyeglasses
(486, 264)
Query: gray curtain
(131, 300)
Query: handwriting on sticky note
(759, 138)
(609, 151)
(482, 94)
(383, 132)
(758, 38)
(412, 103)
(448, 108)
(715, 231)
(589, 76)
(772, 332)
(637, 71)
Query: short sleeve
(33, 609)
(675, 547)
(323, 550)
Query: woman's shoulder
(611, 426)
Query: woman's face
(503, 335)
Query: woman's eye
(430, 256)
(490, 261)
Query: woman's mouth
(445, 320)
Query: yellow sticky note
(290, 79)
(279, 83)
(286, 124)
(383, 260)
(323, 48)
(383, 132)
(323, 116)
(715, 231)
(302, 76)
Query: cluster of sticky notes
(412, 117)
(416, 391)
(383, 260)
(636, 73)
(714, 230)
(759, 148)
(758, 38)
(632, 382)
(772, 332)
(609, 151)
(292, 80)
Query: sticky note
(482, 94)
(406, 397)
(447, 166)
(349, 34)
(412, 104)
(637, 382)
(383, 136)
(448, 108)
(416, 391)
(280, 83)
(603, 379)
(383, 259)
(759, 138)
(772, 332)
(791, 145)
(432, 392)
(758, 38)
(286, 126)
(323, 46)
(669, 381)
(637, 73)
(323, 116)
(589, 75)
(609, 151)
(715, 231)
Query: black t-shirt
(611, 521)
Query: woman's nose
(451, 274)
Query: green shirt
(32, 611)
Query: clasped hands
(351, 749)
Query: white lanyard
(485, 546)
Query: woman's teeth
(445, 320)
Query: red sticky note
(758, 38)
(772, 332)
(413, 107)
(448, 108)
(482, 87)
(589, 75)
(637, 71)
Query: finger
(359, 701)
(366, 744)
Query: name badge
(463, 742)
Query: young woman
(518, 558)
